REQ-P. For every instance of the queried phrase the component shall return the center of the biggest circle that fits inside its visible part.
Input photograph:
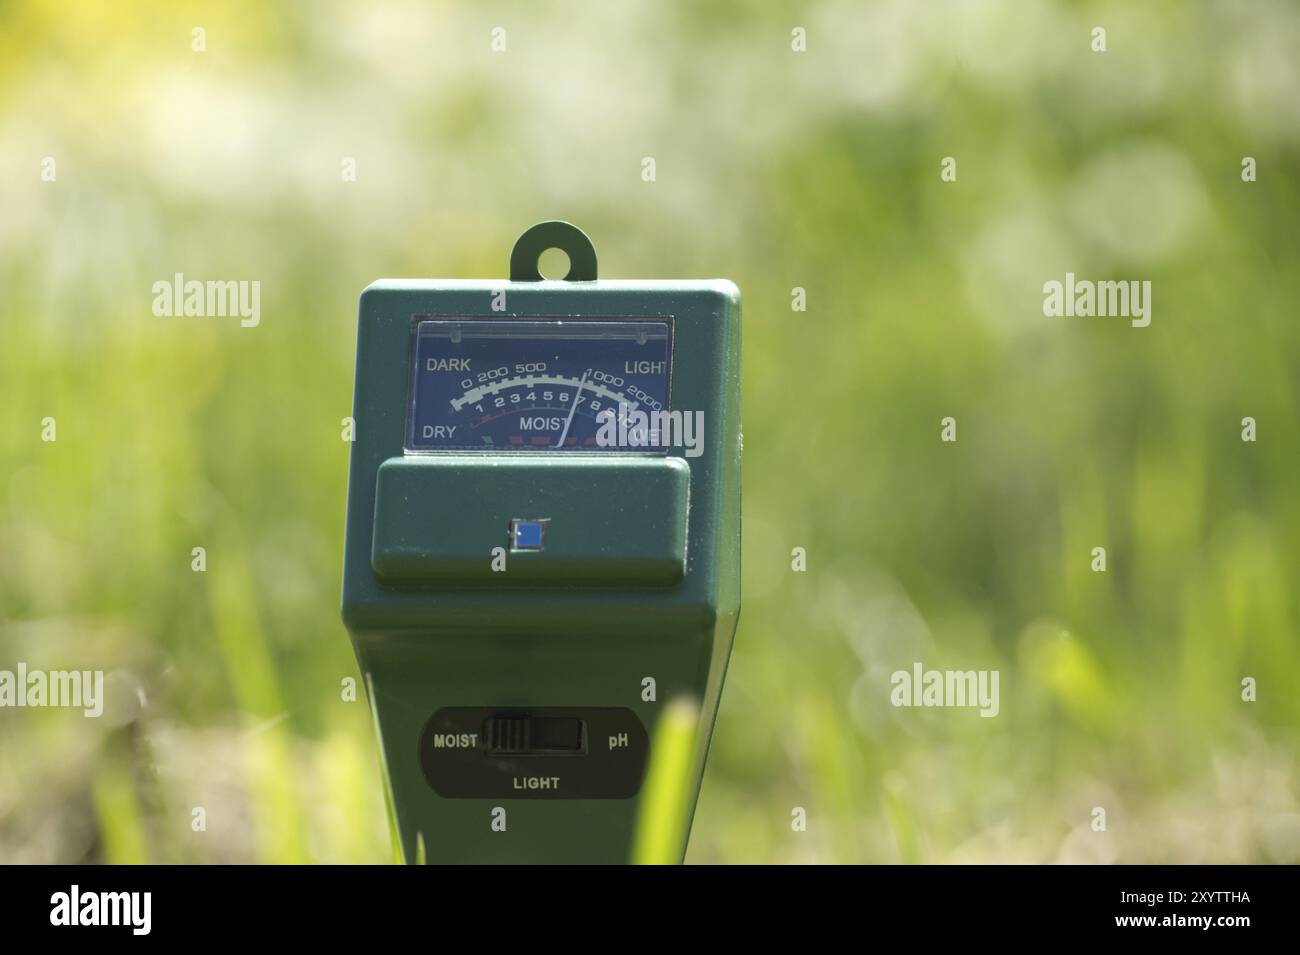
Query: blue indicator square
(528, 535)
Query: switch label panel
(471, 752)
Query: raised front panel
(572, 521)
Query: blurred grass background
(775, 169)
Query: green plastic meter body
(542, 545)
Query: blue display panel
(543, 385)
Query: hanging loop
(555, 234)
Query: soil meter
(543, 544)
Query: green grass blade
(665, 800)
(399, 853)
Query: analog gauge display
(537, 385)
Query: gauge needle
(569, 420)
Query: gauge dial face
(545, 385)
